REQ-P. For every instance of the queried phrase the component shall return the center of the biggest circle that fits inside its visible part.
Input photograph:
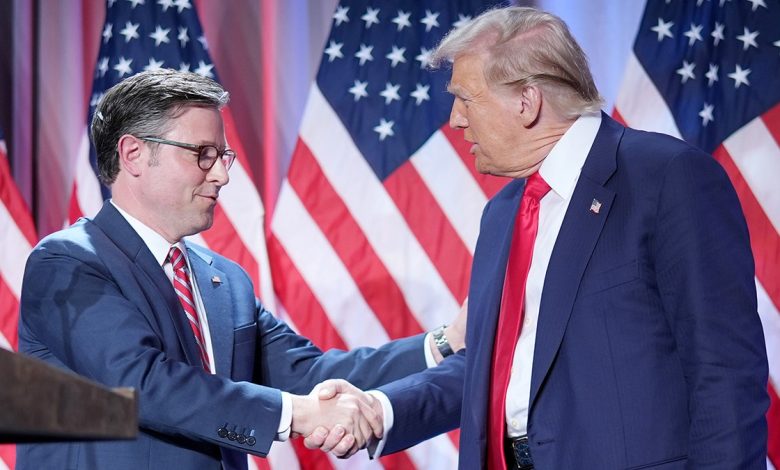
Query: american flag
(17, 237)
(374, 229)
(703, 71)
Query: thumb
(330, 388)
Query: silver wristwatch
(441, 342)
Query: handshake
(337, 417)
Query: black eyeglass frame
(200, 149)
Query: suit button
(251, 440)
(241, 438)
(231, 435)
(222, 432)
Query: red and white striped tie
(183, 288)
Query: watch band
(441, 342)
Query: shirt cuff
(285, 422)
(375, 447)
(430, 361)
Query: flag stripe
(305, 311)
(431, 227)
(336, 223)
(9, 308)
(374, 211)
(15, 246)
(324, 273)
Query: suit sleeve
(74, 315)
(290, 362)
(705, 274)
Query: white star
(706, 114)
(136, 2)
(424, 57)
(203, 42)
(359, 89)
(165, 4)
(421, 93)
(370, 17)
(723, 2)
(748, 39)
(693, 34)
(183, 37)
(364, 54)
(740, 76)
(663, 29)
(390, 93)
(184, 67)
(698, 2)
(757, 3)
(384, 129)
(130, 31)
(462, 19)
(334, 50)
(204, 69)
(123, 67)
(396, 56)
(430, 20)
(93, 101)
(103, 66)
(776, 43)
(717, 33)
(402, 20)
(160, 35)
(341, 15)
(108, 32)
(111, 3)
(181, 4)
(712, 74)
(153, 64)
(686, 71)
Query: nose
(218, 173)
(457, 117)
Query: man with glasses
(123, 300)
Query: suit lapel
(215, 294)
(585, 217)
(127, 240)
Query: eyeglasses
(207, 154)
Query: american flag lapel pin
(216, 280)
(595, 206)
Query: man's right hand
(336, 439)
(337, 417)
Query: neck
(124, 197)
(539, 144)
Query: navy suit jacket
(95, 302)
(649, 350)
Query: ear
(131, 154)
(530, 102)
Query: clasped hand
(337, 417)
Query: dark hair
(143, 105)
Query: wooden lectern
(42, 404)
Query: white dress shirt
(561, 170)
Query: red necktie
(511, 314)
(183, 288)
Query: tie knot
(176, 258)
(536, 187)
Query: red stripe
(332, 216)
(618, 117)
(772, 120)
(269, 106)
(397, 461)
(490, 184)
(431, 227)
(764, 239)
(12, 199)
(773, 419)
(9, 313)
(74, 210)
(311, 459)
(8, 455)
(262, 464)
(223, 238)
(299, 301)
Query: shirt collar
(156, 243)
(561, 168)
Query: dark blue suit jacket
(95, 301)
(649, 350)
